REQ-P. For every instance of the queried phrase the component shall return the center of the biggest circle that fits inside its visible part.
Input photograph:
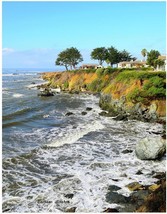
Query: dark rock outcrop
(69, 113)
(120, 109)
(45, 93)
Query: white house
(132, 64)
(86, 66)
(162, 67)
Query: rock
(70, 210)
(84, 113)
(33, 83)
(134, 186)
(113, 188)
(160, 175)
(88, 109)
(153, 108)
(69, 196)
(103, 113)
(111, 210)
(139, 172)
(156, 201)
(127, 151)
(46, 93)
(154, 187)
(69, 113)
(150, 148)
(121, 117)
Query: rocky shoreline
(149, 198)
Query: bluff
(124, 93)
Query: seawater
(48, 155)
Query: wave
(19, 74)
(16, 113)
(74, 134)
(17, 95)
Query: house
(132, 64)
(162, 67)
(86, 66)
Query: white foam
(73, 135)
(18, 95)
(36, 85)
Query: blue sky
(33, 33)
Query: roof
(84, 65)
(162, 57)
(132, 62)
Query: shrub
(135, 96)
(100, 72)
(66, 84)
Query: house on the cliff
(164, 66)
(86, 66)
(132, 64)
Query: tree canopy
(144, 52)
(152, 56)
(100, 54)
(69, 57)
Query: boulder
(69, 113)
(45, 93)
(88, 109)
(150, 148)
(83, 112)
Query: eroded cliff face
(114, 94)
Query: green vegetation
(111, 55)
(140, 75)
(152, 56)
(100, 54)
(154, 88)
(144, 53)
(69, 57)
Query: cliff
(137, 94)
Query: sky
(34, 33)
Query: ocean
(53, 162)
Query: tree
(144, 53)
(62, 59)
(113, 56)
(74, 57)
(69, 57)
(159, 63)
(152, 56)
(100, 54)
(126, 56)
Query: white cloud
(7, 50)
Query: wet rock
(84, 113)
(70, 210)
(111, 210)
(154, 187)
(127, 151)
(155, 201)
(33, 83)
(113, 188)
(69, 196)
(121, 117)
(160, 175)
(88, 109)
(139, 172)
(69, 113)
(103, 113)
(113, 197)
(46, 93)
(134, 186)
(115, 180)
(150, 148)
